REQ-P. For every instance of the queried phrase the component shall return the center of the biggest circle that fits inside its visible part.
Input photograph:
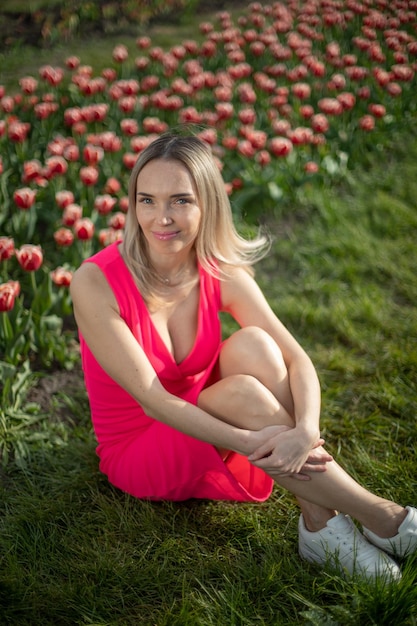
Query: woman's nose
(164, 218)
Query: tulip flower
(64, 237)
(120, 53)
(29, 257)
(280, 146)
(71, 214)
(7, 249)
(89, 175)
(61, 277)
(104, 204)
(63, 198)
(84, 229)
(367, 122)
(117, 221)
(24, 198)
(7, 297)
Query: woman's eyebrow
(185, 194)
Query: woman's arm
(119, 354)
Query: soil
(54, 384)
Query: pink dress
(140, 455)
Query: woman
(177, 412)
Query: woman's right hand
(283, 452)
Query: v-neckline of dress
(156, 332)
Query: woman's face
(167, 208)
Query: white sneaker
(404, 542)
(341, 545)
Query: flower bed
(289, 95)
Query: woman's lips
(165, 236)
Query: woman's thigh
(254, 352)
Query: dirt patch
(52, 386)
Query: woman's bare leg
(254, 392)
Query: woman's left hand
(287, 452)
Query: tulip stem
(34, 283)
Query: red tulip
(320, 123)
(53, 75)
(280, 146)
(311, 167)
(32, 170)
(28, 84)
(263, 157)
(72, 62)
(71, 214)
(64, 237)
(117, 221)
(63, 198)
(143, 42)
(347, 100)
(18, 131)
(330, 106)
(61, 277)
(55, 166)
(394, 89)
(6, 248)
(129, 126)
(29, 257)
(377, 110)
(93, 154)
(112, 186)
(367, 122)
(104, 204)
(124, 204)
(84, 229)
(120, 53)
(301, 90)
(89, 175)
(24, 198)
(129, 159)
(106, 236)
(7, 297)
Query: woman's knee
(249, 349)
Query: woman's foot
(404, 542)
(341, 545)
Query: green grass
(77, 551)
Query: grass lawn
(342, 276)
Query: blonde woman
(178, 412)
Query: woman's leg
(254, 392)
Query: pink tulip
(24, 198)
(29, 257)
(72, 213)
(280, 146)
(89, 175)
(64, 237)
(18, 131)
(7, 297)
(367, 122)
(120, 53)
(61, 277)
(7, 249)
(28, 84)
(104, 204)
(117, 221)
(84, 229)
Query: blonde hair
(218, 245)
